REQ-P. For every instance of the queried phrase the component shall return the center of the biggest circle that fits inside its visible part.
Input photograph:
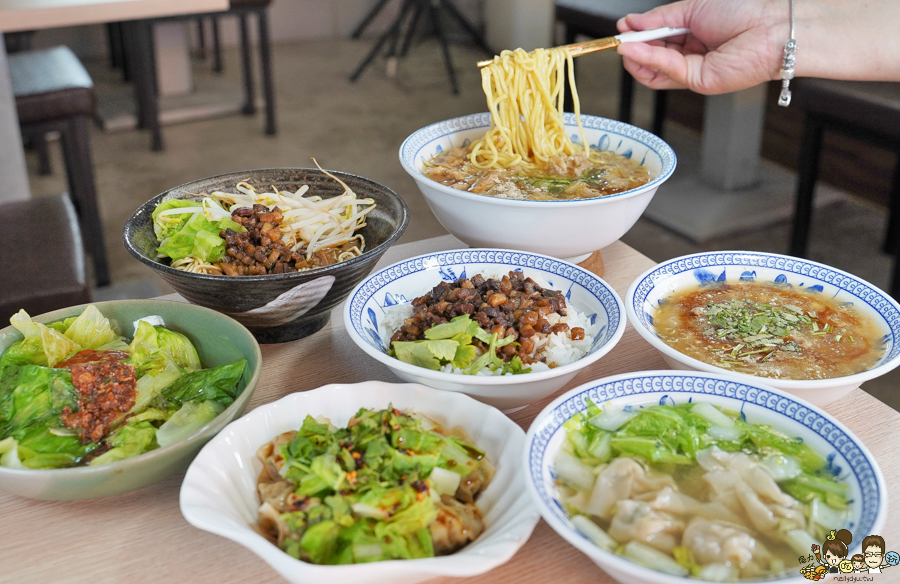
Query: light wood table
(142, 537)
(18, 15)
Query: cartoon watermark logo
(833, 557)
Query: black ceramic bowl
(276, 307)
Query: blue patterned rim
(684, 386)
(371, 286)
(411, 147)
(701, 263)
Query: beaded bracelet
(787, 65)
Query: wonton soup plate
(848, 458)
(656, 285)
(567, 229)
(364, 316)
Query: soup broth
(561, 177)
(770, 331)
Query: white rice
(558, 348)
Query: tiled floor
(358, 128)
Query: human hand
(733, 45)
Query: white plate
(219, 490)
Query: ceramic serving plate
(848, 458)
(569, 229)
(219, 490)
(402, 282)
(218, 340)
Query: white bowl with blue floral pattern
(654, 286)
(569, 229)
(364, 314)
(848, 459)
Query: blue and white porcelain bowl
(849, 460)
(654, 286)
(364, 315)
(571, 229)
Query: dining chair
(48, 273)
(54, 93)
(140, 40)
(866, 111)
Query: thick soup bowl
(402, 282)
(567, 229)
(848, 459)
(656, 285)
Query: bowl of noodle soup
(740, 550)
(551, 182)
(275, 307)
(569, 229)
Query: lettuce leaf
(56, 346)
(127, 441)
(217, 384)
(40, 447)
(166, 225)
(92, 330)
(188, 419)
(38, 398)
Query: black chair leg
(626, 95)
(144, 85)
(249, 107)
(114, 43)
(265, 54)
(43, 150)
(201, 38)
(216, 46)
(891, 243)
(80, 171)
(808, 171)
(659, 112)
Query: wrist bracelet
(787, 65)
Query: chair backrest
(873, 106)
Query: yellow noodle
(525, 93)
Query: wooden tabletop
(142, 537)
(18, 15)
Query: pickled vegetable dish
(76, 393)
(390, 485)
(770, 331)
(694, 490)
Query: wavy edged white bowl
(219, 490)
(656, 284)
(571, 230)
(848, 458)
(408, 279)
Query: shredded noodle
(525, 93)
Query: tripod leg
(476, 36)
(368, 19)
(407, 40)
(433, 12)
(395, 38)
(372, 54)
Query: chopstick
(595, 45)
